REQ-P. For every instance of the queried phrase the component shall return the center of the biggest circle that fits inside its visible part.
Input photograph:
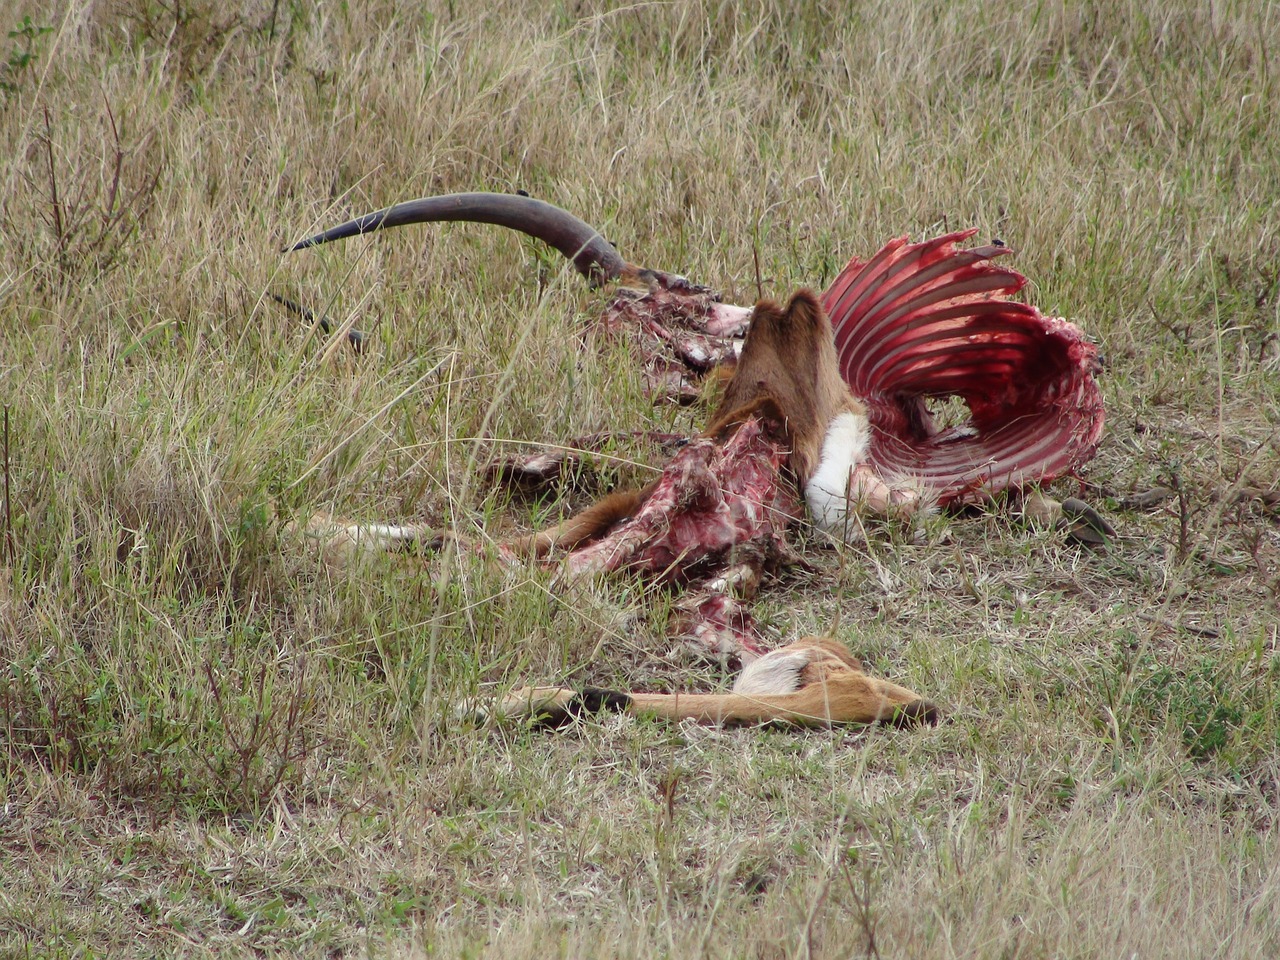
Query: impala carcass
(828, 410)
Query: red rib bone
(922, 321)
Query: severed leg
(813, 682)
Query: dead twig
(10, 549)
(1208, 633)
(862, 903)
(1184, 512)
(59, 233)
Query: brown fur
(790, 360)
(787, 374)
(590, 524)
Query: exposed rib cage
(928, 320)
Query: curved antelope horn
(593, 256)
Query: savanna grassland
(211, 743)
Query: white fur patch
(774, 673)
(827, 492)
(343, 543)
(387, 532)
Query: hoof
(914, 714)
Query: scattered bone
(717, 626)
(343, 544)
(1148, 499)
(533, 471)
(1082, 523)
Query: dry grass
(212, 746)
